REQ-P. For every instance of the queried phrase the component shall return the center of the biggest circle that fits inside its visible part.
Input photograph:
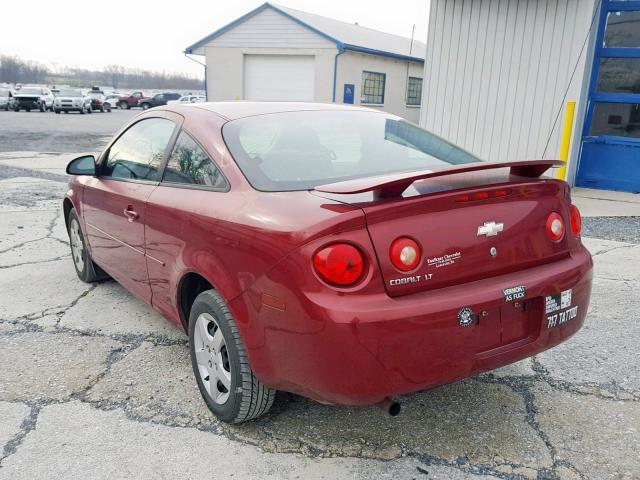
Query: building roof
(346, 36)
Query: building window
(414, 91)
(372, 88)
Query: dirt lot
(96, 385)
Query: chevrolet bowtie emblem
(490, 229)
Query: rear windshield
(301, 150)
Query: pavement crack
(4, 267)
(608, 250)
(27, 426)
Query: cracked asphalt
(95, 384)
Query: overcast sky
(152, 35)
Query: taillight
(576, 221)
(404, 254)
(555, 227)
(339, 264)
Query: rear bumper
(370, 347)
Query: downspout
(335, 70)
(186, 54)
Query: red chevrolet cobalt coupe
(339, 253)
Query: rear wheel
(225, 379)
(86, 269)
(43, 107)
(123, 105)
(146, 106)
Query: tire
(101, 109)
(145, 106)
(82, 111)
(245, 397)
(89, 110)
(57, 111)
(28, 109)
(86, 269)
(43, 107)
(123, 106)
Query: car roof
(241, 109)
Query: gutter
(335, 70)
(189, 51)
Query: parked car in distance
(129, 101)
(158, 100)
(5, 98)
(298, 262)
(33, 98)
(98, 101)
(72, 100)
(112, 100)
(185, 99)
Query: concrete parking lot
(95, 384)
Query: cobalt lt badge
(465, 317)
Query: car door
(182, 218)
(114, 201)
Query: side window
(138, 153)
(189, 164)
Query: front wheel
(225, 379)
(123, 105)
(145, 106)
(85, 268)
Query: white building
(277, 53)
(501, 71)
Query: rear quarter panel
(230, 238)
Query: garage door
(279, 77)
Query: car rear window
(301, 150)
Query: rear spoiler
(394, 184)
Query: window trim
(104, 157)
(190, 186)
(414, 105)
(384, 88)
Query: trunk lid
(470, 225)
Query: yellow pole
(566, 139)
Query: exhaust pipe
(390, 406)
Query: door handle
(130, 213)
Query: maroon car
(335, 252)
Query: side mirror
(85, 165)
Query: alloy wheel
(77, 247)
(212, 358)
